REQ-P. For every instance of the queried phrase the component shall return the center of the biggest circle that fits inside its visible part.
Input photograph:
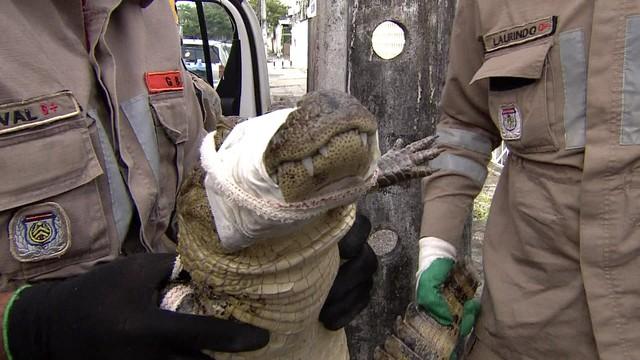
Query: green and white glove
(436, 260)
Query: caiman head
(326, 141)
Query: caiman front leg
(403, 163)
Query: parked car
(193, 56)
(238, 68)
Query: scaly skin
(402, 163)
(281, 283)
(418, 336)
(333, 132)
(330, 131)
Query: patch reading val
(520, 34)
(39, 232)
(510, 122)
(37, 111)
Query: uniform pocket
(50, 207)
(521, 96)
(169, 113)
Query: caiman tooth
(364, 137)
(324, 151)
(372, 138)
(308, 164)
(274, 177)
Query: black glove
(351, 289)
(112, 313)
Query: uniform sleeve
(465, 131)
(199, 109)
(209, 102)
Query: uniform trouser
(534, 304)
(479, 351)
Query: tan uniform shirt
(98, 126)
(559, 82)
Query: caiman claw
(409, 162)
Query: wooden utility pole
(328, 46)
(403, 94)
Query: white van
(193, 56)
(238, 68)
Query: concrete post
(403, 93)
(328, 46)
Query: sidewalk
(287, 83)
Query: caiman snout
(329, 137)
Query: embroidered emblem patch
(163, 81)
(520, 34)
(37, 111)
(510, 122)
(39, 232)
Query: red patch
(542, 27)
(47, 108)
(163, 81)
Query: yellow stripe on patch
(174, 10)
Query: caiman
(259, 222)
(417, 336)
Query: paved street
(287, 84)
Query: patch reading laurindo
(510, 122)
(520, 34)
(37, 111)
(39, 232)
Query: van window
(219, 30)
(194, 52)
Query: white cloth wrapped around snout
(246, 203)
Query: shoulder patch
(37, 111)
(520, 34)
(39, 232)
(163, 81)
(510, 122)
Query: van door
(237, 66)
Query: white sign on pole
(311, 9)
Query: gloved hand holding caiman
(282, 189)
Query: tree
(275, 11)
(218, 23)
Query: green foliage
(275, 10)
(219, 25)
(482, 204)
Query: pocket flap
(170, 110)
(49, 162)
(524, 62)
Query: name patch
(39, 232)
(163, 81)
(520, 34)
(37, 111)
